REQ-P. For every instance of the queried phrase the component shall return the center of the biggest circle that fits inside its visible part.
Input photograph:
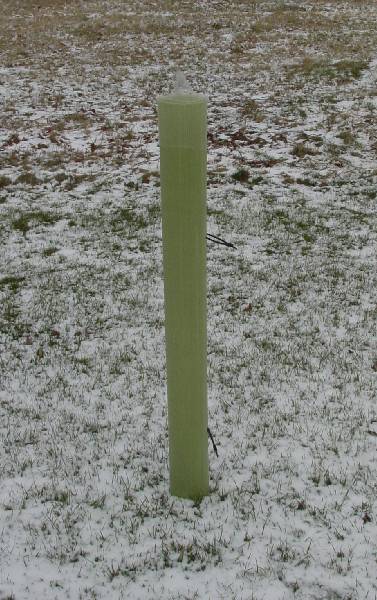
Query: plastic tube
(183, 157)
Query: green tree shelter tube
(183, 159)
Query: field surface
(85, 510)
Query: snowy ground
(85, 511)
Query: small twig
(218, 240)
(213, 441)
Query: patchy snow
(85, 509)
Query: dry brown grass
(343, 71)
(252, 110)
(128, 34)
(69, 45)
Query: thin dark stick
(215, 238)
(213, 441)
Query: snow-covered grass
(85, 510)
